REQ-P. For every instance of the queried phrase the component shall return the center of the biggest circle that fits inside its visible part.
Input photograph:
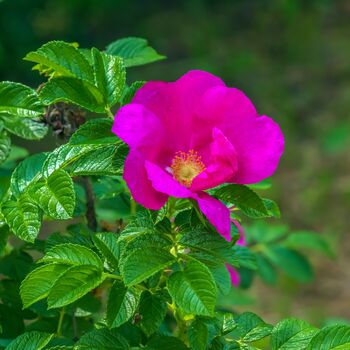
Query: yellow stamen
(186, 166)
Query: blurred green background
(292, 57)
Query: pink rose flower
(191, 135)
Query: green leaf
(102, 339)
(106, 243)
(152, 310)
(308, 240)
(122, 304)
(73, 284)
(243, 198)
(292, 334)
(109, 76)
(166, 342)
(60, 58)
(221, 277)
(55, 195)
(23, 218)
(129, 92)
(265, 270)
(244, 257)
(251, 327)
(30, 341)
(72, 90)
(134, 51)
(29, 129)
(331, 338)
(194, 289)
(38, 283)
(142, 264)
(291, 263)
(17, 100)
(26, 171)
(5, 146)
(94, 132)
(72, 254)
(198, 335)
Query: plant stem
(133, 207)
(110, 275)
(60, 322)
(90, 204)
(109, 113)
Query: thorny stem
(60, 322)
(90, 204)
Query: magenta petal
(221, 165)
(259, 144)
(165, 183)
(235, 279)
(137, 126)
(241, 240)
(216, 212)
(140, 186)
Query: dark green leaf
(198, 335)
(165, 342)
(5, 146)
(134, 51)
(122, 304)
(29, 129)
(152, 311)
(129, 92)
(106, 243)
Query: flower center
(186, 166)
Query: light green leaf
(94, 132)
(152, 310)
(29, 129)
(61, 58)
(23, 217)
(30, 341)
(308, 240)
(72, 90)
(194, 289)
(134, 51)
(106, 243)
(291, 262)
(331, 338)
(73, 284)
(38, 283)
(102, 339)
(243, 198)
(122, 304)
(142, 264)
(5, 146)
(109, 76)
(198, 335)
(55, 195)
(17, 100)
(26, 172)
(292, 334)
(72, 254)
(222, 278)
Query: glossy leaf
(30, 341)
(17, 100)
(29, 129)
(106, 243)
(331, 338)
(5, 145)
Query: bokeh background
(292, 57)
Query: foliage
(121, 276)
